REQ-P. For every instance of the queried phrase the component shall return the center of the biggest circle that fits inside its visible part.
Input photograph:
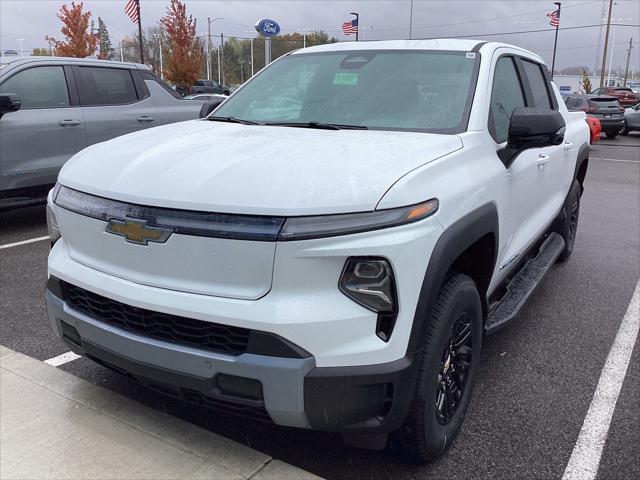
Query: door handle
(66, 123)
(145, 118)
(543, 160)
(567, 148)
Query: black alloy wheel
(454, 369)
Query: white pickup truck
(327, 248)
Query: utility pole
(626, 69)
(20, 45)
(606, 44)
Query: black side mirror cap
(209, 106)
(532, 128)
(9, 102)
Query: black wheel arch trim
(452, 243)
(583, 156)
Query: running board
(524, 283)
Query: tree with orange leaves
(80, 41)
(184, 62)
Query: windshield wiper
(232, 120)
(319, 125)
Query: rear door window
(538, 84)
(105, 86)
(148, 75)
(39, 87)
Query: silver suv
(51, 108)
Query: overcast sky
(31, 20)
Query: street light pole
(209, 22)
(251, 41)
(159, 37)
(411, 21)
(208, 48)
(626, 69)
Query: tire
(568, 224)
(428, 429)
(612, 133)
(625, 129)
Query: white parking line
(615, 160)
(62, 359)
(23, 242)
(585, 459)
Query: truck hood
(262, 170)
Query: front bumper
(294, 392)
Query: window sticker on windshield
(345, 78)
(471, 54)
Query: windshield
(391, 90)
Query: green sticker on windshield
(345, 78)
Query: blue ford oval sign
(268, 28)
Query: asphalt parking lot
(537, 379)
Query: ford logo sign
(268, 28)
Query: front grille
(161, 326)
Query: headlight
(318, 226)
(52, 226)
(369, 282)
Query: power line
(519, 32)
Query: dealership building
(570, 84)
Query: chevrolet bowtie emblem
(137, 231)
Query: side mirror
(9, 102)
(209, 106)
(532, 128)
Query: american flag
(350, 27)
(131, 9)
(554, 18)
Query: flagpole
(140, 32)
(357, 22)
(555, 43)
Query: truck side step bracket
(524, 283)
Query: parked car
(625, 95)
(333, 265)
(604, 108)
(209, 86)
(631, 120)
(54, 107)
(595, 129)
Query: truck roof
(449, 44)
